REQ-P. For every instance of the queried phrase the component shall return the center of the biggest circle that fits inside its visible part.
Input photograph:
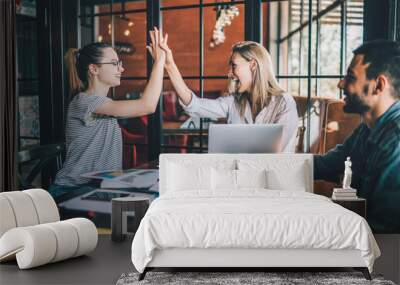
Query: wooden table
(189, 135)
(174, 128)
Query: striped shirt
(375, 156)
(280, 110)
(93, 141)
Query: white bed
(219, 210)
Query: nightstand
(357, 205)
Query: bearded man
(372, 89)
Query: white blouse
(281, 110)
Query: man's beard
(354, 104)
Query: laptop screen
(244, 138)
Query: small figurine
(347, 174)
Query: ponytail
(75, 83)
(77, 63)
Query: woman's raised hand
(163, 43)
(157, 53)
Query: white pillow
(281, 174)
(182, 177)
(293, 179)
(278, 180)
(223, 179)
(186, 175)
(251, 178)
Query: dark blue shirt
(375, 156)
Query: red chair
(170, 114)
(134, 133)
(170, 106)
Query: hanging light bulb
(130, 24)
(100, 38)
(127, 32)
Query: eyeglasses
(115, 63)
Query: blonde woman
(255, 96)
(93, 136)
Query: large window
(336, 30)
(311, 49)
(201, 50)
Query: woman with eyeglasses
(254, 97)
(93, 136)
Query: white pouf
(31, 231)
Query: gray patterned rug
(242, 278)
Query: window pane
(182, 27)
(298, 87)
(298, 41)
(299, 13)
(128, 5)
(170, 3)
(216, 53)
(103, 29)
(330, 44)
(355, 12)
(328, 88)
(130, 43)
(213, 88)
(213, 1)
(88, 9)
(94, 29)
(298, 54)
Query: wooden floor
(103, 266)
(110, 259)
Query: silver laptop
(244, 138)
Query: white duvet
(253, 218)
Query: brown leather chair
(334, 127)
(338, 125)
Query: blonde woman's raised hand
(157, 53)
(164, 45)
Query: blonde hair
(264, 83)
(77, 62)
